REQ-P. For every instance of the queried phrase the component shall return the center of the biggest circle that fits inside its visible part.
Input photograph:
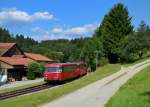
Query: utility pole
(97, 53)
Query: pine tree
(115, 26)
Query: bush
(42, 68)
(103, 61)
(93, 65)
(35, 70)
(31, 75)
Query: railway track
(20, 92)
(7, 95)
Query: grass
(21, 87)
(37, 99)
(135, 93)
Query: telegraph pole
(97, 53)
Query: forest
(116, 40)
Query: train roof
(60, 64)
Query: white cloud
(68, 33)
(42, 16)
(81, 30)
(12, 15)
(57, 30)
(38, 30)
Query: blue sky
(54, 19)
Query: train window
(54, 69)
(83, 65)
(69, 68)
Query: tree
(143, 37)
(137, 43)
(115, 26)
(57, 56)
(34, 70)
(5, 36)
(143, 27)
(91, 49)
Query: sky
(69, 19)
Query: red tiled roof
(4, 47)
(18, 56)
(7, 44)
(16, 61)
(37, 57)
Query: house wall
(5, 65)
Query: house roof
(18, 56)
(23, 59)
(16, 61)
(4, 47)
(37, 57)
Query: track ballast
(20, 92)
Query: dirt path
(98, 93)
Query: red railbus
(63, 71)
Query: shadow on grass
(147, 94)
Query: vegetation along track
(16, 93)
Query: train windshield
(54, 69)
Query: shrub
(34, 70)
(103, 61)
(31, 75)
(93, 65)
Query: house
(13, 61)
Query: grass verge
(37, 99)
(135, 93)
(21, 87)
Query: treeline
(25, 43)
(62, 50)
(115, 40)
